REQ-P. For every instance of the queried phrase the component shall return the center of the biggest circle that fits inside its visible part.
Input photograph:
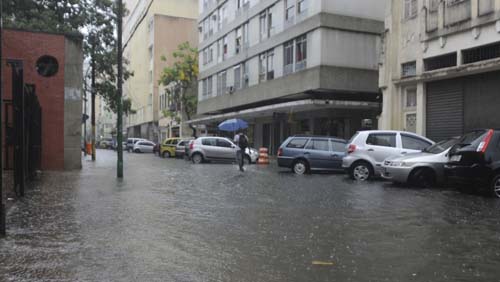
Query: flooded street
(170, 220)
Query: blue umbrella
(233, 125)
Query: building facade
(105, 120)
(289, 66)
(153, 30)
(53, 66)
(441, 62)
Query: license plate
(455, 158)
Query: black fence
(23, 130)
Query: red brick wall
(28, 47)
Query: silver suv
(218, 149)
(367, 150)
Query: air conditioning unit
(214, 17)
(245, 77)
(230, 89)
(237, 49)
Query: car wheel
(423, 178)
(361, 171)
(166, 154)
(495, 186)
(137, 151)
(197, 158)
(300, 167)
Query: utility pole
(2, 205)
(119, 125)
(93, 39)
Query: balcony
(457, 12)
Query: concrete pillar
(73, 81)
(421, 106)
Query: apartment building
(105, 120)
(440, 72)
(289, 66)
(153, 30)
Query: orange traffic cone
(263, 156)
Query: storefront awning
(287, 108)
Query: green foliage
(97, 17)
(181, 78)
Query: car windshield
(441, 146)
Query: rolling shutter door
(445, 109)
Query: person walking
(241, 140)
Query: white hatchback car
(144, 146)
(367, 150)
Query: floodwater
(170, 220)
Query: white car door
(380, 146)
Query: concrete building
(153, 29)
(53, 65)
(440, 72)
(289, 66)
(105, 120)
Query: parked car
(476, 161)
(131, 142)
(218, 149)
(167, 148)
(187, 150)
(180, 148)
(106, 143)
(367, 150)
(304, 154)
(424, 169)
(144, 146)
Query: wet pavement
(170, 220)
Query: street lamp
(119, 125)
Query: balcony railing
(486, 7)
(457, 11)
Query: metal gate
(445, 109)
(23, 127)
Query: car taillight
(351, 148)
(486, 141)
(191, 146)
(280, 152)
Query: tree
(180, 82)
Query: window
(302, 6)
(210, 26)
(290, 10)
(221, 83)
(270, 24)
(262, 25)
(211, 54)
(318, 145)
(266, 66)
(47, 66)
(204, 87)
(411, 98)
(246, 34)
(245, 76)
(301, 56)
(381, 139)
(409, 69)
(150, 76)
(206, 27)
(414, 143)
(238, 42)
(223, 143)
(288, 57)
(150, 52)
(297, 143)
(410, 9)
(338, 146)
(205, 56)
(237, 77)
(481, 53)
(224, 48)
(411, 122)
(209, 85)
(440, 62)
(209, 142)
(219, 51)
